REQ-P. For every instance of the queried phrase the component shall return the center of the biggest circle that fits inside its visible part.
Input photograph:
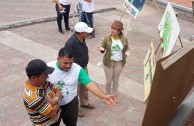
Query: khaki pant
(112, 76)
(83, 92)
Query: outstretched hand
(110, 101)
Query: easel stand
(122, 14)
(128, 22)
(157, 7)
(179, 41)
(128, 26)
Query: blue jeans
(88, 19)
(66, 16)
(80, 11)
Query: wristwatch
(57, 99)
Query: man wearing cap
(66, 76)
(77, 44)
(40, 96)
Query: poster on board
(131, 9)
(169, 30)
(137, 3)
(149, 68)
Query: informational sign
(149, 68)
(169, 30)
(131, 9)
(137, 3)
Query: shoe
(93, 36)
(80, 114)
(68, 29)
(89, 106)
(90, 37)
(61, 31)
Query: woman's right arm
(103, 46)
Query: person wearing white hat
(77, 44)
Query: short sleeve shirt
(116, 50)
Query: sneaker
(80, 114)
(61, 31)
(89, 106)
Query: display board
(137, 3)
(131, 9)
(169, 30)
(149, 68)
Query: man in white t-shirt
(87, 14)
(66, 76)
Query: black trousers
(69, 113)
(60, 16)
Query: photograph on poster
(169, 30)
(131, 9)
(137, 3)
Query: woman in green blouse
(116, 50)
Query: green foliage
(167, 28)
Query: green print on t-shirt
(116, 47)
(61, 85)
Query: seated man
(66, 76)
(40, 96)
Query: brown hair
(118, 25)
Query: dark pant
(69, 113)
(88, 19)
(66, 16)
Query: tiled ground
(186, 3)
(12, 62)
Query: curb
(184, 13)
(186, 9)
(44, 19)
